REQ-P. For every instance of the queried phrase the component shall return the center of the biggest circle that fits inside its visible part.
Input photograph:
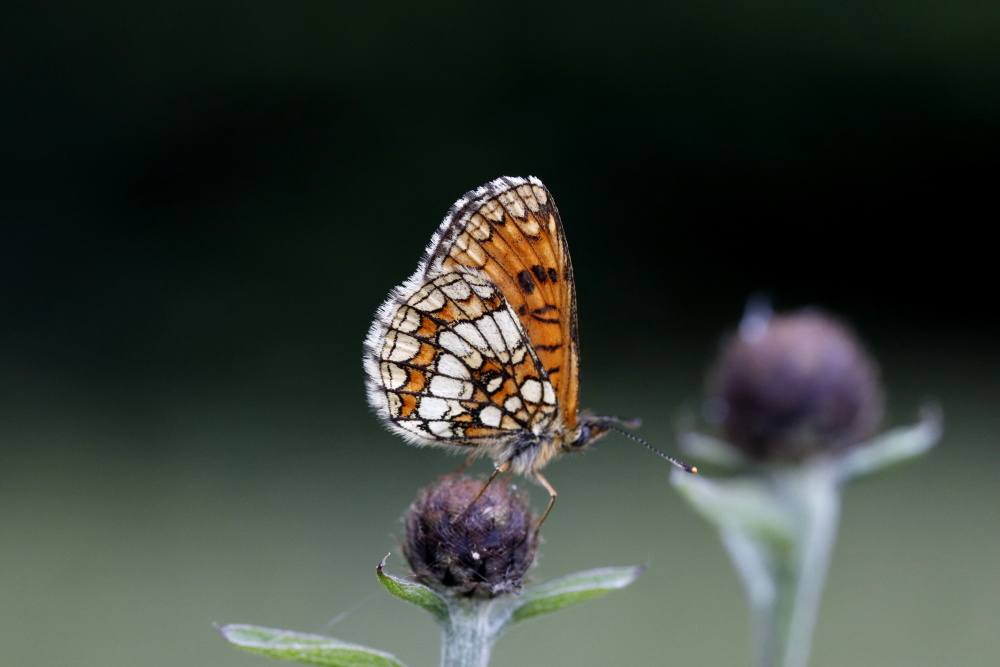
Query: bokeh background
(203, 203)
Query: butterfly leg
(496, 473)
(552, 501)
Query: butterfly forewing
(513, 232)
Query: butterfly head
(593, 428)
(590, 429)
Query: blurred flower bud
(787, 387)
(473, 549)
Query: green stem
(467, 639)
(784, 617)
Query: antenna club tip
(693, 469)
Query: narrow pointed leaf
(572, 589)
(893, 447)
(418, 594)
(737, 504)
(300, 647)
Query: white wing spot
(510, 329)
(483, 290)
(406, 319)
(469, 332)
(428, 299)
(513, 204)
(531, 389)
(552, 225)
(452, 342)
(416, 428)
(393, 377)
(441, 429)
(490, 416)
(529, 226)
(475, 255)
(548, 393)
(452, 366)
(456, 345)
(457, 290)
(540, 194)
(432, 407)
(512, 404)
(492, 210)
(528, 195)
(494, 340)
(446, 387)
(478, 228)
(400, 347)
(518, 355)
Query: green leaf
(893, 447)
(418, 594)
(742, 503)
(572, 589)
(299, 647)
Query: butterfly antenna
(632, 436)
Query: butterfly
(478, 350)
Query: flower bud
(469, 547)
(788, 387)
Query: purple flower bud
(471, 549)
(788, 387)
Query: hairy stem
(468, 638)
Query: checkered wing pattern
(478, 349)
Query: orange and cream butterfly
(478, 350)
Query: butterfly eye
(589, 432)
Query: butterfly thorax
(533, 449)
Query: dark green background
(203, 204)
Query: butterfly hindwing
(455, 368)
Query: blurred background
(202, 205)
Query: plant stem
(785, 613)
(468, 638)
